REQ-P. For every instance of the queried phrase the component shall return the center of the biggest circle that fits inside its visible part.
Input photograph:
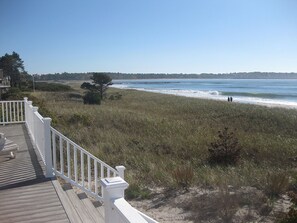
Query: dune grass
(152, 134)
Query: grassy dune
(152, 134)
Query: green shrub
(14, 94)
(92, 98)
(135, 191)
(183, 176)
(45, 86)
(75, 95)
(116, 96)
(79, 118)
(225, 150)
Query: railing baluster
(22, 115)
(96, 176)
(61, 156)
(101, 176)
(10, 111)
(54, 150)
(68, 160)
(108, 172)
(82, 168)
(102, 171)
(89, 172)
(18, 111)
(6, 110)
(14, 118)
(2, 105)
(75, 163)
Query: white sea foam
(216, 95)
(121, 86)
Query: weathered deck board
(68, 206)
(25, 194)
(78, 205)
(94, 213)
(27, 165)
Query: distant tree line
(63, 76)
(122, 76)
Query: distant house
(1, 75)
(4, 83)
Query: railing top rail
(147, 218)
(83, 150)
(127, 212)
(39, 116)
(12, 101)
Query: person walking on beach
(228, 99)
(231, 99)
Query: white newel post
(121, 170)
(34, 128)
(34, 108)
(25, 108)
(30, 115)
(47, 148)
(113, 188)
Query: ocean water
(274, 92)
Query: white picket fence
(64, 158)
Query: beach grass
(153, 134)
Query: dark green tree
(13, 67)
(226, 149)
(100, 83)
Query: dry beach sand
(211, 206)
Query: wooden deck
(27, 196)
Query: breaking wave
(241, 97)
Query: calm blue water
(263, 91)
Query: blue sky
(166, 36)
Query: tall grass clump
(183, 176)
(276, 183)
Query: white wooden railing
(12, 112)
(79, 167)
(126, 213)
(39, 130)
(64, 158)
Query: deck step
(99, 208)
(94, 213)
(83, 205)
(67, 204)
(78, 205)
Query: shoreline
(218, 98)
